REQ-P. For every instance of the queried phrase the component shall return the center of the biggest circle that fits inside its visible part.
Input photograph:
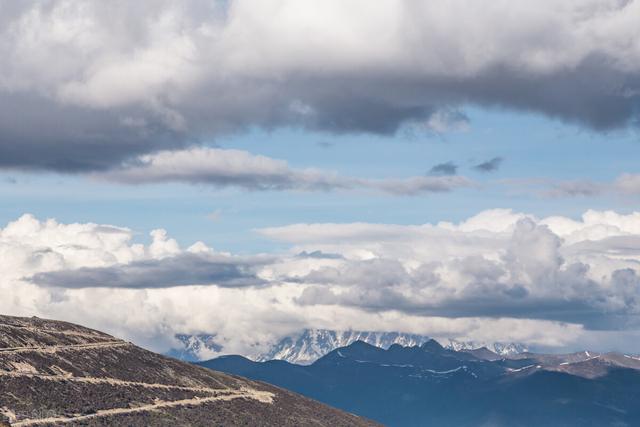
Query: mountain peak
(361, 344)
(501, 348)
(357, 350)
(312, 344)
(432, 345)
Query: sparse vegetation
(54, 371)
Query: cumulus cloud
(497, 264)
(85, 86)
(499, 275)
(237, 168)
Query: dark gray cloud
(181, 270)
(123, 79)
(490, 165)
(39, 133)
(448, 168)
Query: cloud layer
(86, 86)
(625, 185)
(179, 270)
(236, 168)
(497, 264)
(499, 275)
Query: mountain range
(311, 344)
(55, 373)
(430, 385)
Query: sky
(250, 169)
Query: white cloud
(497, 276)
(225, 167)
(497, 264)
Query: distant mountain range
(311, 344)
(498, 347)
(195, 347)
(57, 373)
(430, 385)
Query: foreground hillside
(54, 373)
(434, 386)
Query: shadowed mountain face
(55, 373)
(432, 385)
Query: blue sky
(307, 144)
(531, 146)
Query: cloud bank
(497, 264)
(86, 86)
(500, 275)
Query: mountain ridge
(433, 385)
(311, 344)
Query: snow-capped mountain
(312, 344)
(416, 386)
(501, 348)
(195, 347)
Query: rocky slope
(54, 373)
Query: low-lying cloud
(497, 264)
(184, 269)
(552, 281)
